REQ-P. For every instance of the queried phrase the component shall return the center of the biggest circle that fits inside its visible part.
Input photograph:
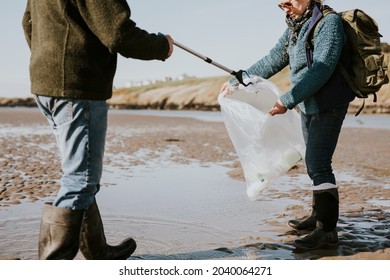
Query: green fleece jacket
(74, 46)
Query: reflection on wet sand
(176, 186)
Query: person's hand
(226, 89)
(277, 109)
(170, 42)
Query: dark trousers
(321, 132)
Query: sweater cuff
(286, 101)
(165, 47)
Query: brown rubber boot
(60, 233)
(93, 243)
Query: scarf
(295, 25)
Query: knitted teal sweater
(305, 83)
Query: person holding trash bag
(74, 46)
(323, 97)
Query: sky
(233, 33)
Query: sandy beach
(175, 184)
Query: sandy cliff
(201, 94)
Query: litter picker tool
(238, 74)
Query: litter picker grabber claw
(238, 74)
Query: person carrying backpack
(323, 97)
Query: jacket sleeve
(328, 44)
(26, 24)
(272, 63)
(110, 21)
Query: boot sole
(320, 246)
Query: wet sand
(175, 184)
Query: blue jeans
(80, 129)
(321, 132)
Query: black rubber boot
(307, 222)
(325, 234)
(60, 233)
(93, 243)
(318, 239)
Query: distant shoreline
(29, 102)
(178, 188)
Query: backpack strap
(319, 12)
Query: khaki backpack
(368, 69)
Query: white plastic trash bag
(267, 146)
